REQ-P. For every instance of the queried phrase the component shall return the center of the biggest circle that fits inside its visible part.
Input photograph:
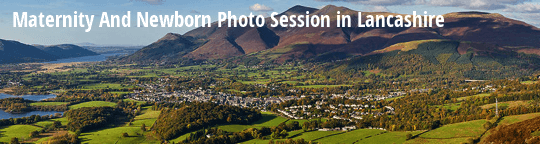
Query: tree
(487, 125)
(143, 127)
(409, 136)
(78, 132)
(57, 124)
(283, 134)
(34, 134)
(14, 140)
(125, 135)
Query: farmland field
(104, 86)
(114, 135)
(268, 120)
(452, 133)
(93, 104)
(20, 131)
(48, 103)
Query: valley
(476, 80)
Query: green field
(478, 95)
(389, 137)
(48, 103)
(322, 86)
(114, 135)
(130, 100)
(452, 133)
(518, 118)
(350, 137)
(308, 136)
(450, 106)
(46, 123)
(464, 129)
(268, 120)
(119, 93)
(93, 104)
(20, 131)
(389, 99)
(104, 86)
(313, 135)
(437, 141)
(180, 138)
(529, 82)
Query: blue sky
(525, 10)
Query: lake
(96, 58)
(28, 97)
(6, 115)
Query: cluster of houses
(349, 112)
(486, 88)
(345, 128)
(9, 84)
(324, 109)
(153, 92)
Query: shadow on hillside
(265, 118)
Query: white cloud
(128, 4)
(472, 4)
(524, 8)
(152, 2)
(377, 9)
(373, 2)
(467, 4)
(259, 8)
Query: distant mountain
(16, 52)
(86, 44)
(170, 46)
(279, 44)
(66, 51)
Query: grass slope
(20, 131)
(114, 135)
(268, 120)
(93, 104)
(452, 133)
(388, 138)
(47, 103)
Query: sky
(524, 10)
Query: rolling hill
(66, 51)
(16, 52)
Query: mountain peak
(298, 10)
(474, 14)
(171, 36)
(332, 10)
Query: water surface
(28, 97)
(96, 58)
(6, 115)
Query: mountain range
(16, 52)
(481, 34)
(66, 51)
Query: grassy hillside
(20, 131)
(92, 104)
(114, 134)
(444, 58)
